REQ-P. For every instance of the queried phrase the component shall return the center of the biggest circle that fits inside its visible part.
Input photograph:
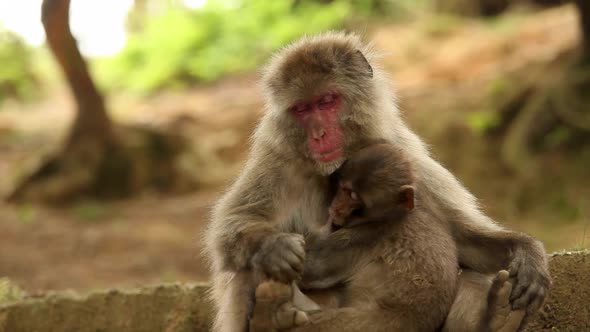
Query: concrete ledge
(167, 308)
(184, 308)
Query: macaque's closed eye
(346, 187)
(327, 102)
(301, 108)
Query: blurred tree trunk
(97, 159)
(584, 13)
(91, 155)
(91, 118)
(137, 16)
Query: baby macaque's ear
(406, 197)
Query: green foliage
(16, 77)
(499, 87)
(567, 208)
(10, 291)
(27, 214)
(90, 211)
(181, 46)
(481, 121)
(557, 137)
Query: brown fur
(282, 189)
(397, 265)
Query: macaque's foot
(274, 308)
(502, 317)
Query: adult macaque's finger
(537, 302)
(527, 297)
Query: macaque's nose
(334, 222)
(318, 134)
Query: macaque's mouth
(334, 227)
(357, 212)
(330, 155)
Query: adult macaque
(326, 101)
(391, 255)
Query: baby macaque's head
(375, 185)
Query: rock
(167, 308)
(185, 308)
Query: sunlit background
(99, 26)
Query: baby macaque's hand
(281, 257)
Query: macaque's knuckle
(298, 237)
(515, 295)
(502, 276)
(287, 274)
(519, 303)
(274, 270)
(285, 319)
(291, 258)
(301, 318)
(298, 268)
(263, 290)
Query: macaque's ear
(364, 63)
(406, 197)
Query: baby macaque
(391, 251)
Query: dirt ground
(152, 238)
(127, 244)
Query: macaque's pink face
(320, 116)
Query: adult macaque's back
(325, 100)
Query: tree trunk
(584, 12)
(91, 119)
(96, 159)
(80, 163)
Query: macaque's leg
(274, 311)
(470, 313)
(235, 292)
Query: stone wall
(184, 308)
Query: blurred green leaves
(182, 46)
(16, 78)
(481, 121)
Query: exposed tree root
(135, 160)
